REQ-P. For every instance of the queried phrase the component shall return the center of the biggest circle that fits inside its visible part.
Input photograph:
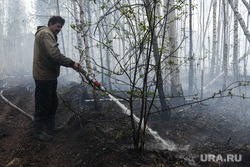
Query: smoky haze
(217, 106)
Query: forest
(173, 74)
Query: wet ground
(219, 128)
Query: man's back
(47, 57)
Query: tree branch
(240, 19)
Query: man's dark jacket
(47, 57)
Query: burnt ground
(90, 136)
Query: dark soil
(90, 136)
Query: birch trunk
(78, 35)
(191, 70)
(235, 48)
(100, 47)
(247, 5)
(165, 53)
(214, 51)
(202, 50)
(218, 41)
(240, 19)
(176, 87)
(201, 20)
(2, 60)
(90, 30)
(226, 45)
(108, 58)
(87, 54)
(62, 37)
(246, 48)
(86, 40)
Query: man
(46, 69)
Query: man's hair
(54, 19)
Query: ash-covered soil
(90, 138)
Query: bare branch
(240, 19)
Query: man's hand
(76, 66)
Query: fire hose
(90, 79)
(165, 144)
(14, 106)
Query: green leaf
(171, 62)
(103, 6)
(109, 42)
(118, 135)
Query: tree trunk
(79, 39)
(64, 52)
(246, 48)
(247, 5)
(2, 59)
(108, 58)
(100, 47)
(240, 19)
(90, 30)
(191, 66)
(218, 41)
(235, 48)
(87, 54)
(176, 88)
(214, 38)
(226, 45)
(164, 107)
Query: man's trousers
(46, 103)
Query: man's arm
(52, 50)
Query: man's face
(56, 28)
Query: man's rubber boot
(55, 130)
(50, 127)
(44, 137)
(39, 131)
